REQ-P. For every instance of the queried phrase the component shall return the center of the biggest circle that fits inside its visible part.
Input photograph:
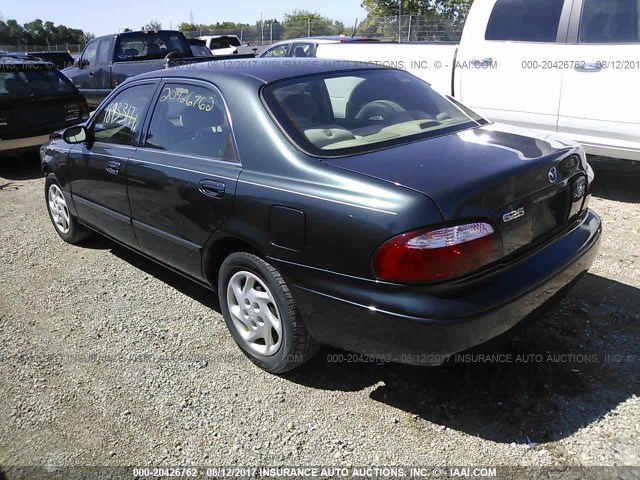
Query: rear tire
(261, 314)
(65, 224)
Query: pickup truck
(109, 60)
(567, 67)
(227, 45)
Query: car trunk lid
(524, 186)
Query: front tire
(65, 224)
(261, 314)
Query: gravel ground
(108, 359)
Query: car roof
(265, 70)
(14, 61)
(328, 39)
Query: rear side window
(191, 120)
(611, 21)
(525, 20)
(121, 121)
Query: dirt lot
(108, 359)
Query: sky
(106, 17)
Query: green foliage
(39, 33)
(152, 25)
(388, 8)
(302, 23)
(421, 20)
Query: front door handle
(588, 67)
(211, 188)
(113, 168)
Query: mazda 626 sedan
(329, 204)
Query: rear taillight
(436, 255)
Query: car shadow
(566, 371)
(183, 284)
(19, 167)
(616, 181)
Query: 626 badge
(511, 216)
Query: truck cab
(109, 60)
(562, 66)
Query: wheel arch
(220, 247)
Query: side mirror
(77, 134)
(81, 63)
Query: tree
(302, 23)
(152, 25)
(431, 19)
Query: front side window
(191, 120)
(610, 21)
(279, 51)
(353, 112)
(104, 48)
(121, 120)
(90, 52)
(525, 20)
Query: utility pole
(191, 17)
(309, 27)
(399, 21)
(261, 30)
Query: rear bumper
(27, 143)
(424, 325)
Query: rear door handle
(588, 67)
(113, 168)
(211, 188)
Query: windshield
(359, 111)
(32, 82)
(148, 46)
(224, 42)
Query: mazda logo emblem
(553, 175)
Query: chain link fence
(74, 49)
(405, 28)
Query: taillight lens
(436, 255)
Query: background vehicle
(401, 225)
(199, 48)
(108, 61)
(35, 100)
(61, 60)
(226, 45)
(306, 47)
(559, 66)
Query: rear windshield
(33, 83)
(224, 42)
(149, 46)
(359, 111)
